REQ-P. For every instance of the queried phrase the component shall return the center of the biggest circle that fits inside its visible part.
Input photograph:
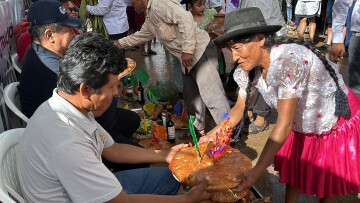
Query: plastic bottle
(129, 90)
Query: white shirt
(128, 3)
(59, 158)
(296, 72)
(114, 15)
(340, 11)
(213, 3)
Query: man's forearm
(124, 153)
(135, 39)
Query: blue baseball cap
(45, 12)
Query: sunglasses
(74, 8)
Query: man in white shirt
(60, 156)
(340, 11)
(114, 17)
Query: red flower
(306, 62)
(289, 76)
(319, 116)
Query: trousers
(354, 64)
(202, 87)
(159, 181)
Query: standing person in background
(348, 32)
(130, 13)
(203, 17)
(289, 11)
(136, 19)
(308, 10)
(329, 8)
(231, 5)
(215, 4)
(175, 28)
(177, 72)
(271, 12)
(114, 17)
(139, 21)
(340, 11)
(329, 18)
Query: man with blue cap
(51, 30)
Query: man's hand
(116, 43)
(247, 180)
(198, 193)
(337, 52)
(186, 59)
(171, 153)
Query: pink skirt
(327, 164)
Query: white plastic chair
(3, 111)
(12, 101)
(15, 62)
(10, 191)
(8, 74)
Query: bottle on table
(129, 90)
(170, 130)
(141, 97)
(164, 118)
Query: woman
(72, 10)
(315, 140)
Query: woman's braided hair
(248, 90)
(341, 102)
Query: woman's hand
(247, 180)
(171, 153)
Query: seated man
(22, 35)
(59, 156)
(51, 34)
